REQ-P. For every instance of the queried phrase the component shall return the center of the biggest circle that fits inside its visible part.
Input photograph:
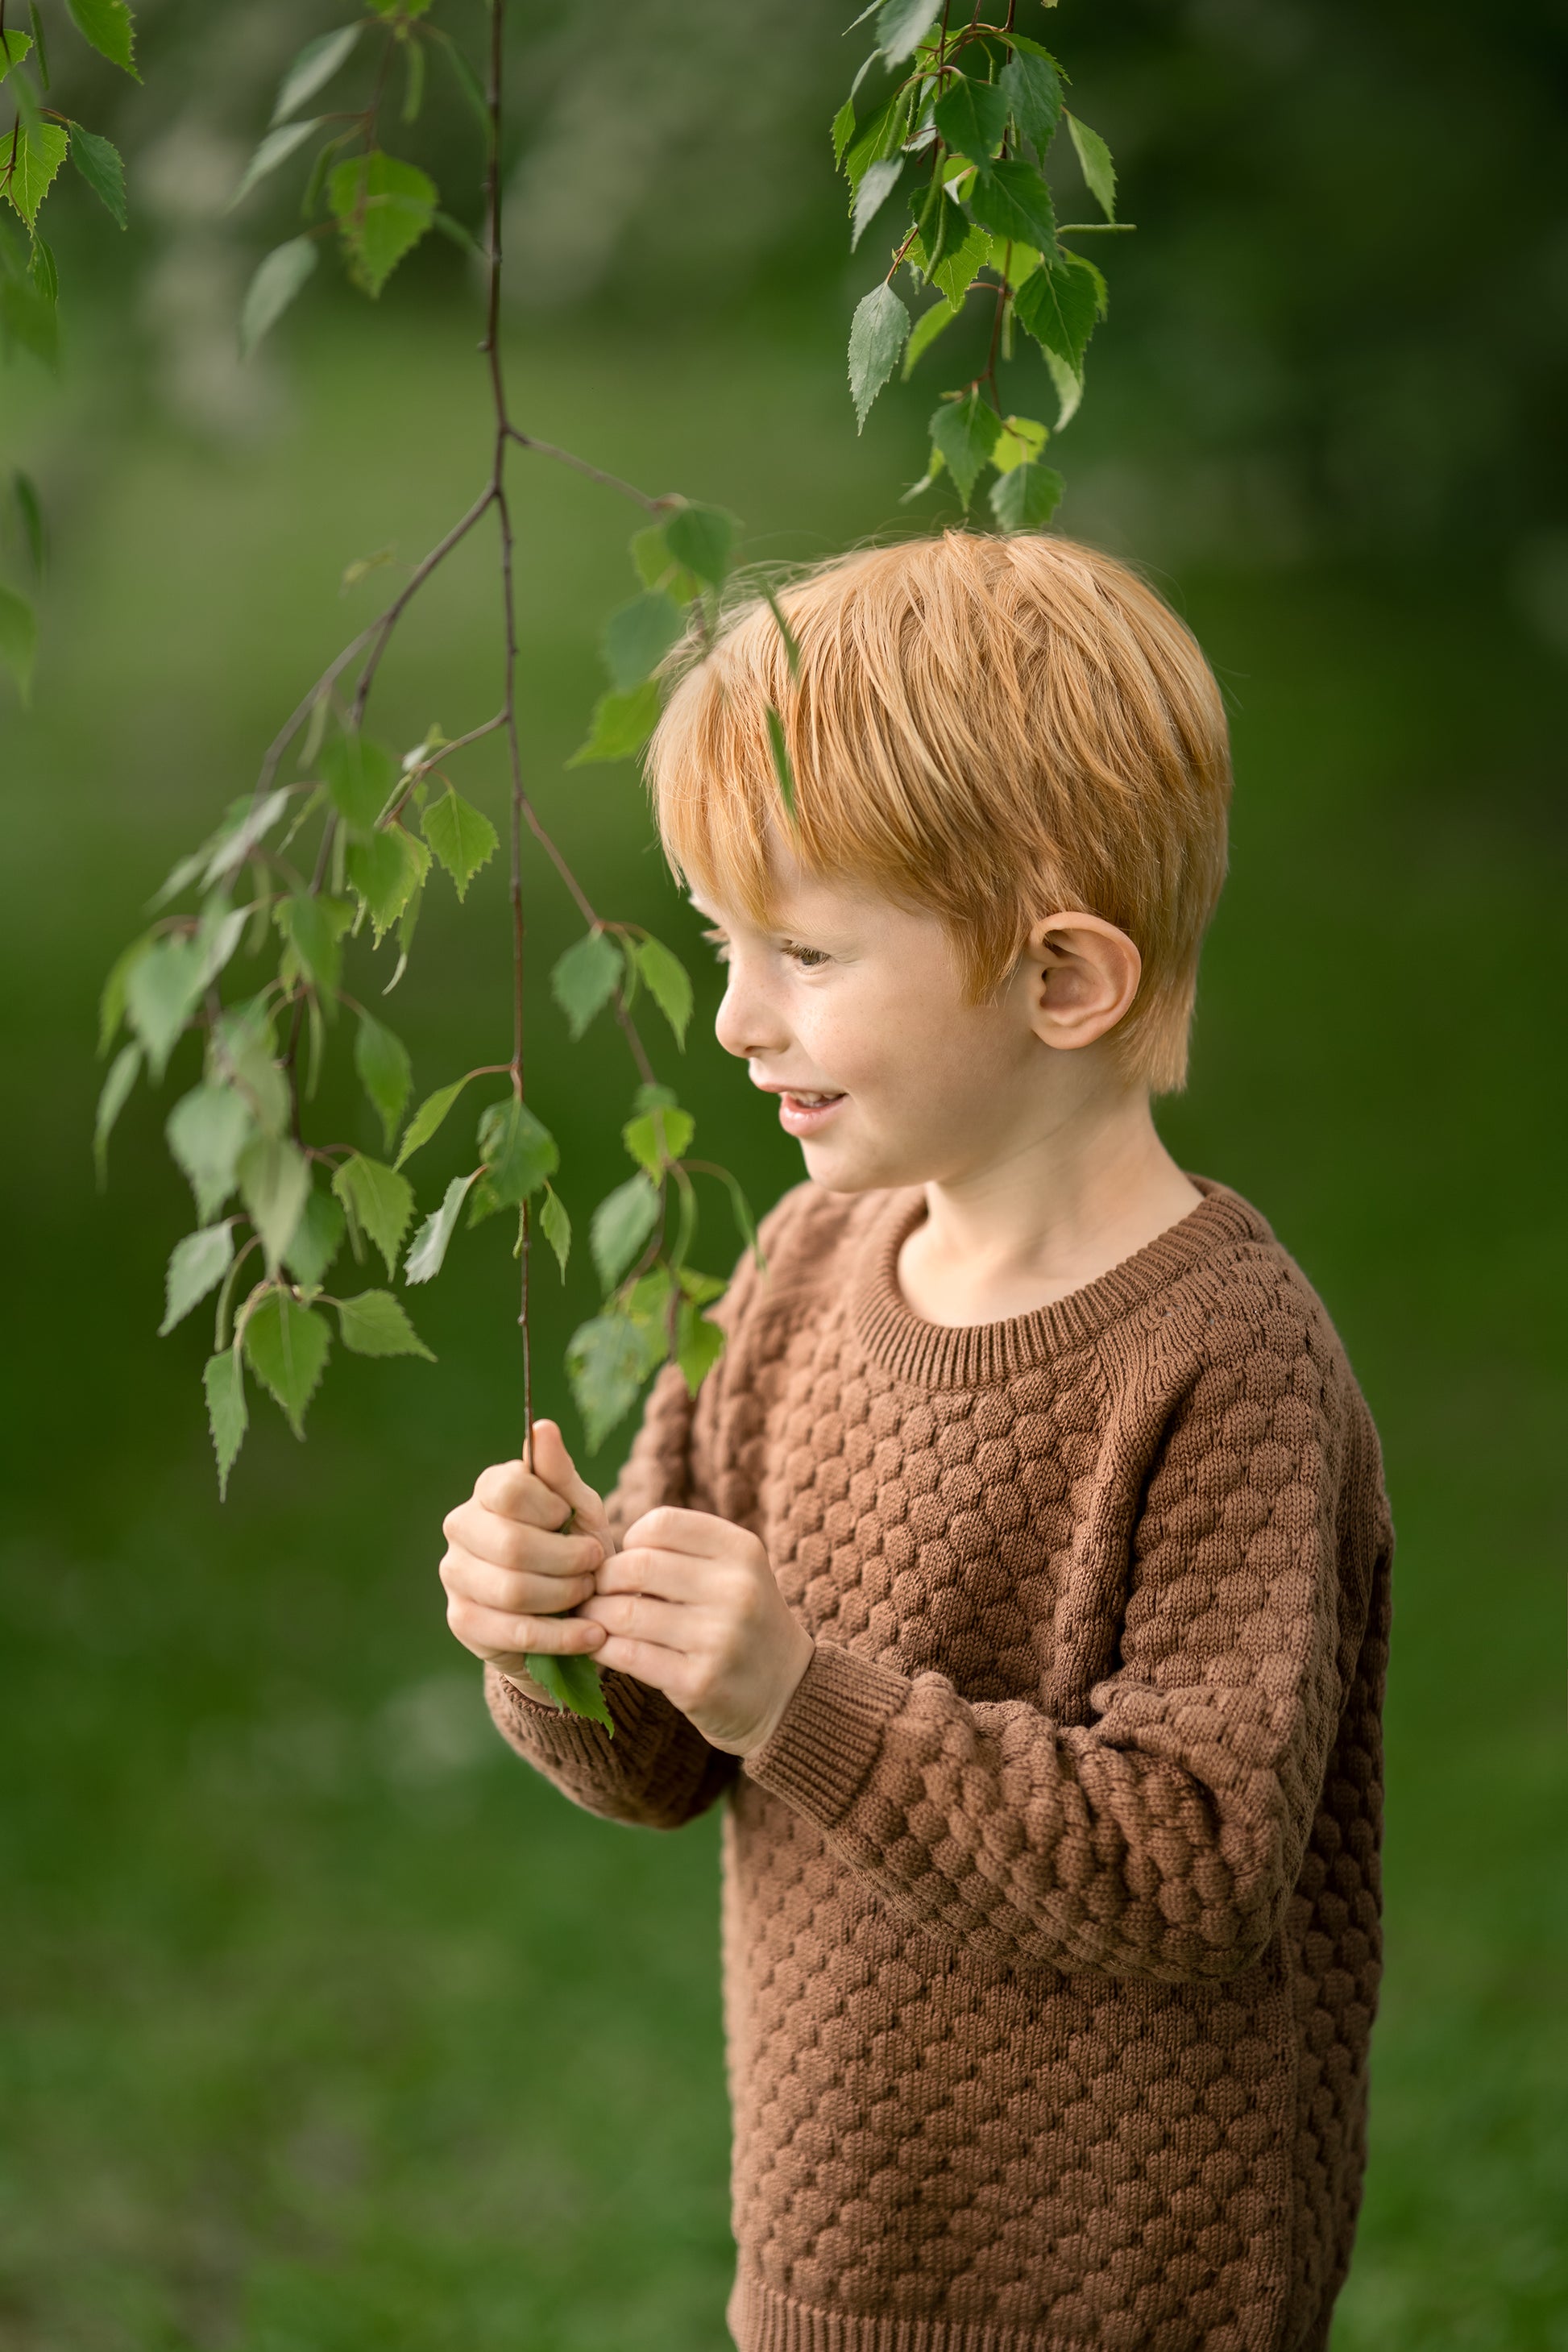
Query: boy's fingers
(666, 1575)
(485, 1535)
(514, 1492)
(497, 1634)
(514, 1594)
(552, 1462)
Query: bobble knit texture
(1051, 1909)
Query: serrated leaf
(843, 129)
(965, 432)
(377, 1199)
(375, 1324)
(13, 48)
(428, 1253)
(1019, 443)
(98, 162)
(1032, 88)
(124, 1072)
(107, 25)
(927, 328)
(207, 1129)
(243, 1051)
(1068, 382)
(387, 869)
(383, 207)
(902, 25)
(160, 993)
(274, 150)
(278, 278)
(648, 1307)
(286, 1345)
(1012, 200)
(1094, 162)
(361, 776)
(461, 835)
(249, 821)
(605, 1366)
(700, 1286)
(584, 979)
(876, 337)
(883, 133)
(556, 1227)
(318, 1238)
(385, 1072)
(572, 1680)
(621, 725)
(621, 1224)
(641, 1137)
(427, 1118)
(638, 638)
(196, 1265)
(698, 1346)
(657, 567)
(1059, 306)
(668, 983)
(1027, 498)
(223, 1383)
(518, 1149)
(972, 117)
(313, 925)
(877, 184)
(956, 272)
(703, 538)
(275, 1185)
(316, 64)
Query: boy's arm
(1163, 1838)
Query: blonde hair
(987, 729)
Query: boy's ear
(1083, 976)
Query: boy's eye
(809, 958)
(721, 946)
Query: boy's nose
(748, 1026)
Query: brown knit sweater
(1051, 1913)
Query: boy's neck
(1092, 1184)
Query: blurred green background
(327, 2026)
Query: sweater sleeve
(1160, 1837)
(657, 1772)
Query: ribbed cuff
(829, 1735)
(555, 1733)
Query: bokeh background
(327, 2026)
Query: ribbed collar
(962, 1355)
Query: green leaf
(648, 1306)
(385, 1072)
(1032, 88)
(622, 724)
(275, 149)
(965, 432)
(461, 835)
(955, 273)
(877, 184)
(19, 640)
(582, 981)
(745, 1220)
(287, 1346)
(783, 769)
(668, 982)
(361, 776)
(1013, 200)
(639, 636)
(791, 646)
(519, 1152)
(373, 1324)
(313, 925)
(244, 1050)
(382, 208)
(316, 64)
(275, 1185)
(160, 993)
(942, 231)
(1059, 305)
(1026, 498)
(318, 1238)
(876, 337)
(428, 1253)
(928, 327)
(698, 1346)
(1094, 162)
(604, 1367)
(207, 1129)
(902, 25)
(657, 567)
(427, 1118)
(13, 48)
(387, 869)
(378, 1199)
(572, 1680)
(843, 129)
(107, 25)
(278, 278)
(224, 1382)
(882, 136)
(98, 162)
(413, 86)
(197, 1264)
(621, 1224)
(1068, 382)
(703, 540)
(556, 1227)
(124, 1072)
(972, 117)
(640, 1137)
(1019, 443)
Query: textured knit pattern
(1051, 1910)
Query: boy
(1021, 1572)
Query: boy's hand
(690, 1605)
(509, 1572)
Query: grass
(328, 2026)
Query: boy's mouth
(803, 1114)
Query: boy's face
(858, 997)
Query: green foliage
(278, 278)
(877, 338)
(316, 1239)
(223, 1382)
(572, 1682)
(207, 1129)
(375, 1324)
(604, 1363)
(518, 1152)
(361, 776)
(98, 162)
(107, 25)
(386, 869)
(274, 1178)
(965, 432)
(461, 835)
(32, 155)
(378, 1201)
(621, 726)
(584, 980)
(556, 1227)
(382, 208)
(621, 1224)
(123, 1073)
(314, 67)
(638, 635)
(427, 1118)
(428, 1253)
(668, 982)
(197, 1266)
(286, 1346)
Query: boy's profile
(1020, 1574)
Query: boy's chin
(838, 1167)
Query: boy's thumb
(555, 1467)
